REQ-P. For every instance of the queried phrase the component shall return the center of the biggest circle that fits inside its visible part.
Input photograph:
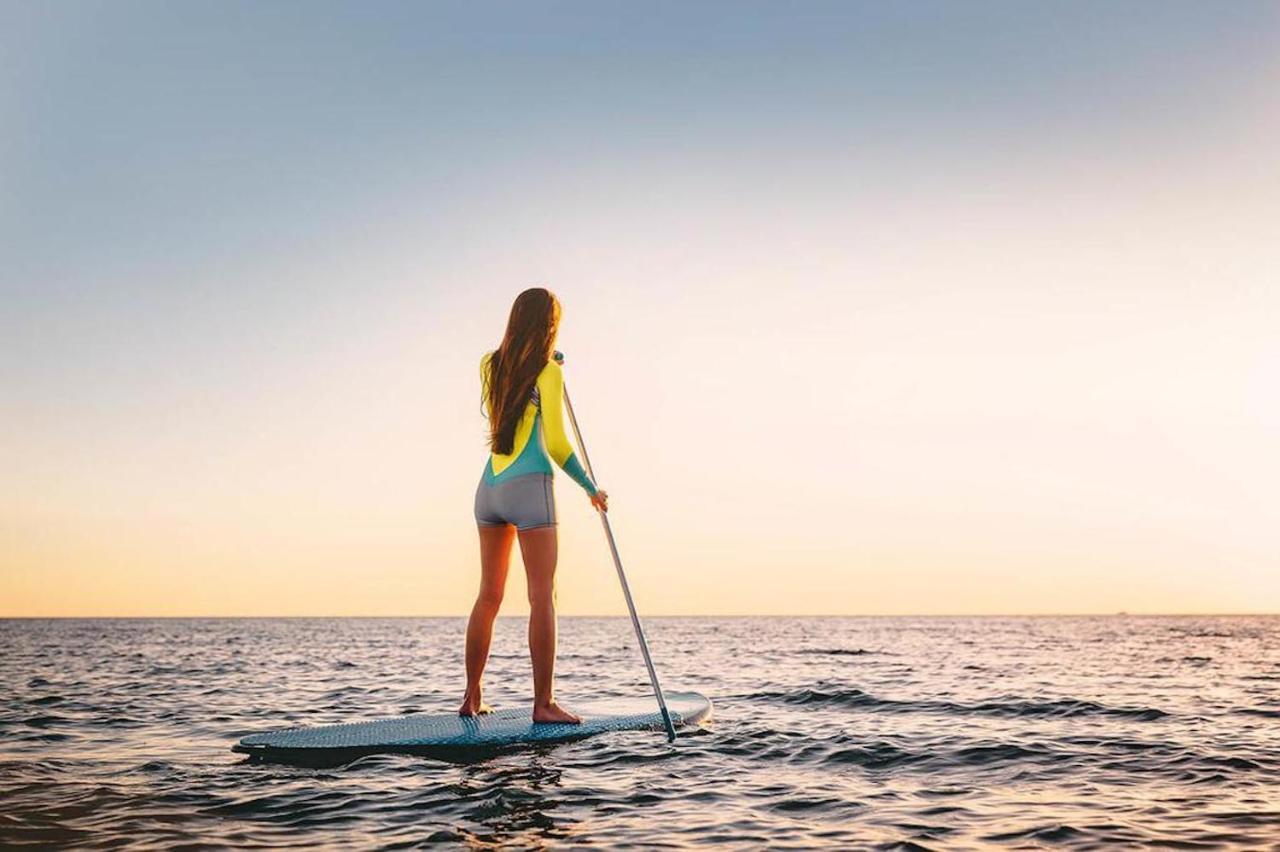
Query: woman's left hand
(600, 500)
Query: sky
(869, 308)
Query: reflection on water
(525, 797)
(938, 732)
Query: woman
(523, 392)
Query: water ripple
(889, 733)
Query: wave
(1258, 711)
(45, 721)
(771, 745)
(1062, 708)
(1055, 833)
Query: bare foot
(553, 712)
(473, 707)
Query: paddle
(622, 576)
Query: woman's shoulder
(550, 378)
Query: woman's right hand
(600, 500)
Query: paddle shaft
(622, 578)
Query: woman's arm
(551, 392)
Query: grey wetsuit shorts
(527, 501)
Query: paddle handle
(622, 578)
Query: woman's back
(540, 436)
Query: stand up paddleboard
(454, 733)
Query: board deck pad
(502, 728)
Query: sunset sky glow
(868, 308)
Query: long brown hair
(515, 365)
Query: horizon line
(1117, 614)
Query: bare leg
(495, 559)
(539, 549)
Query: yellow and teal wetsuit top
(540, 434)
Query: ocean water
(938, 733)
